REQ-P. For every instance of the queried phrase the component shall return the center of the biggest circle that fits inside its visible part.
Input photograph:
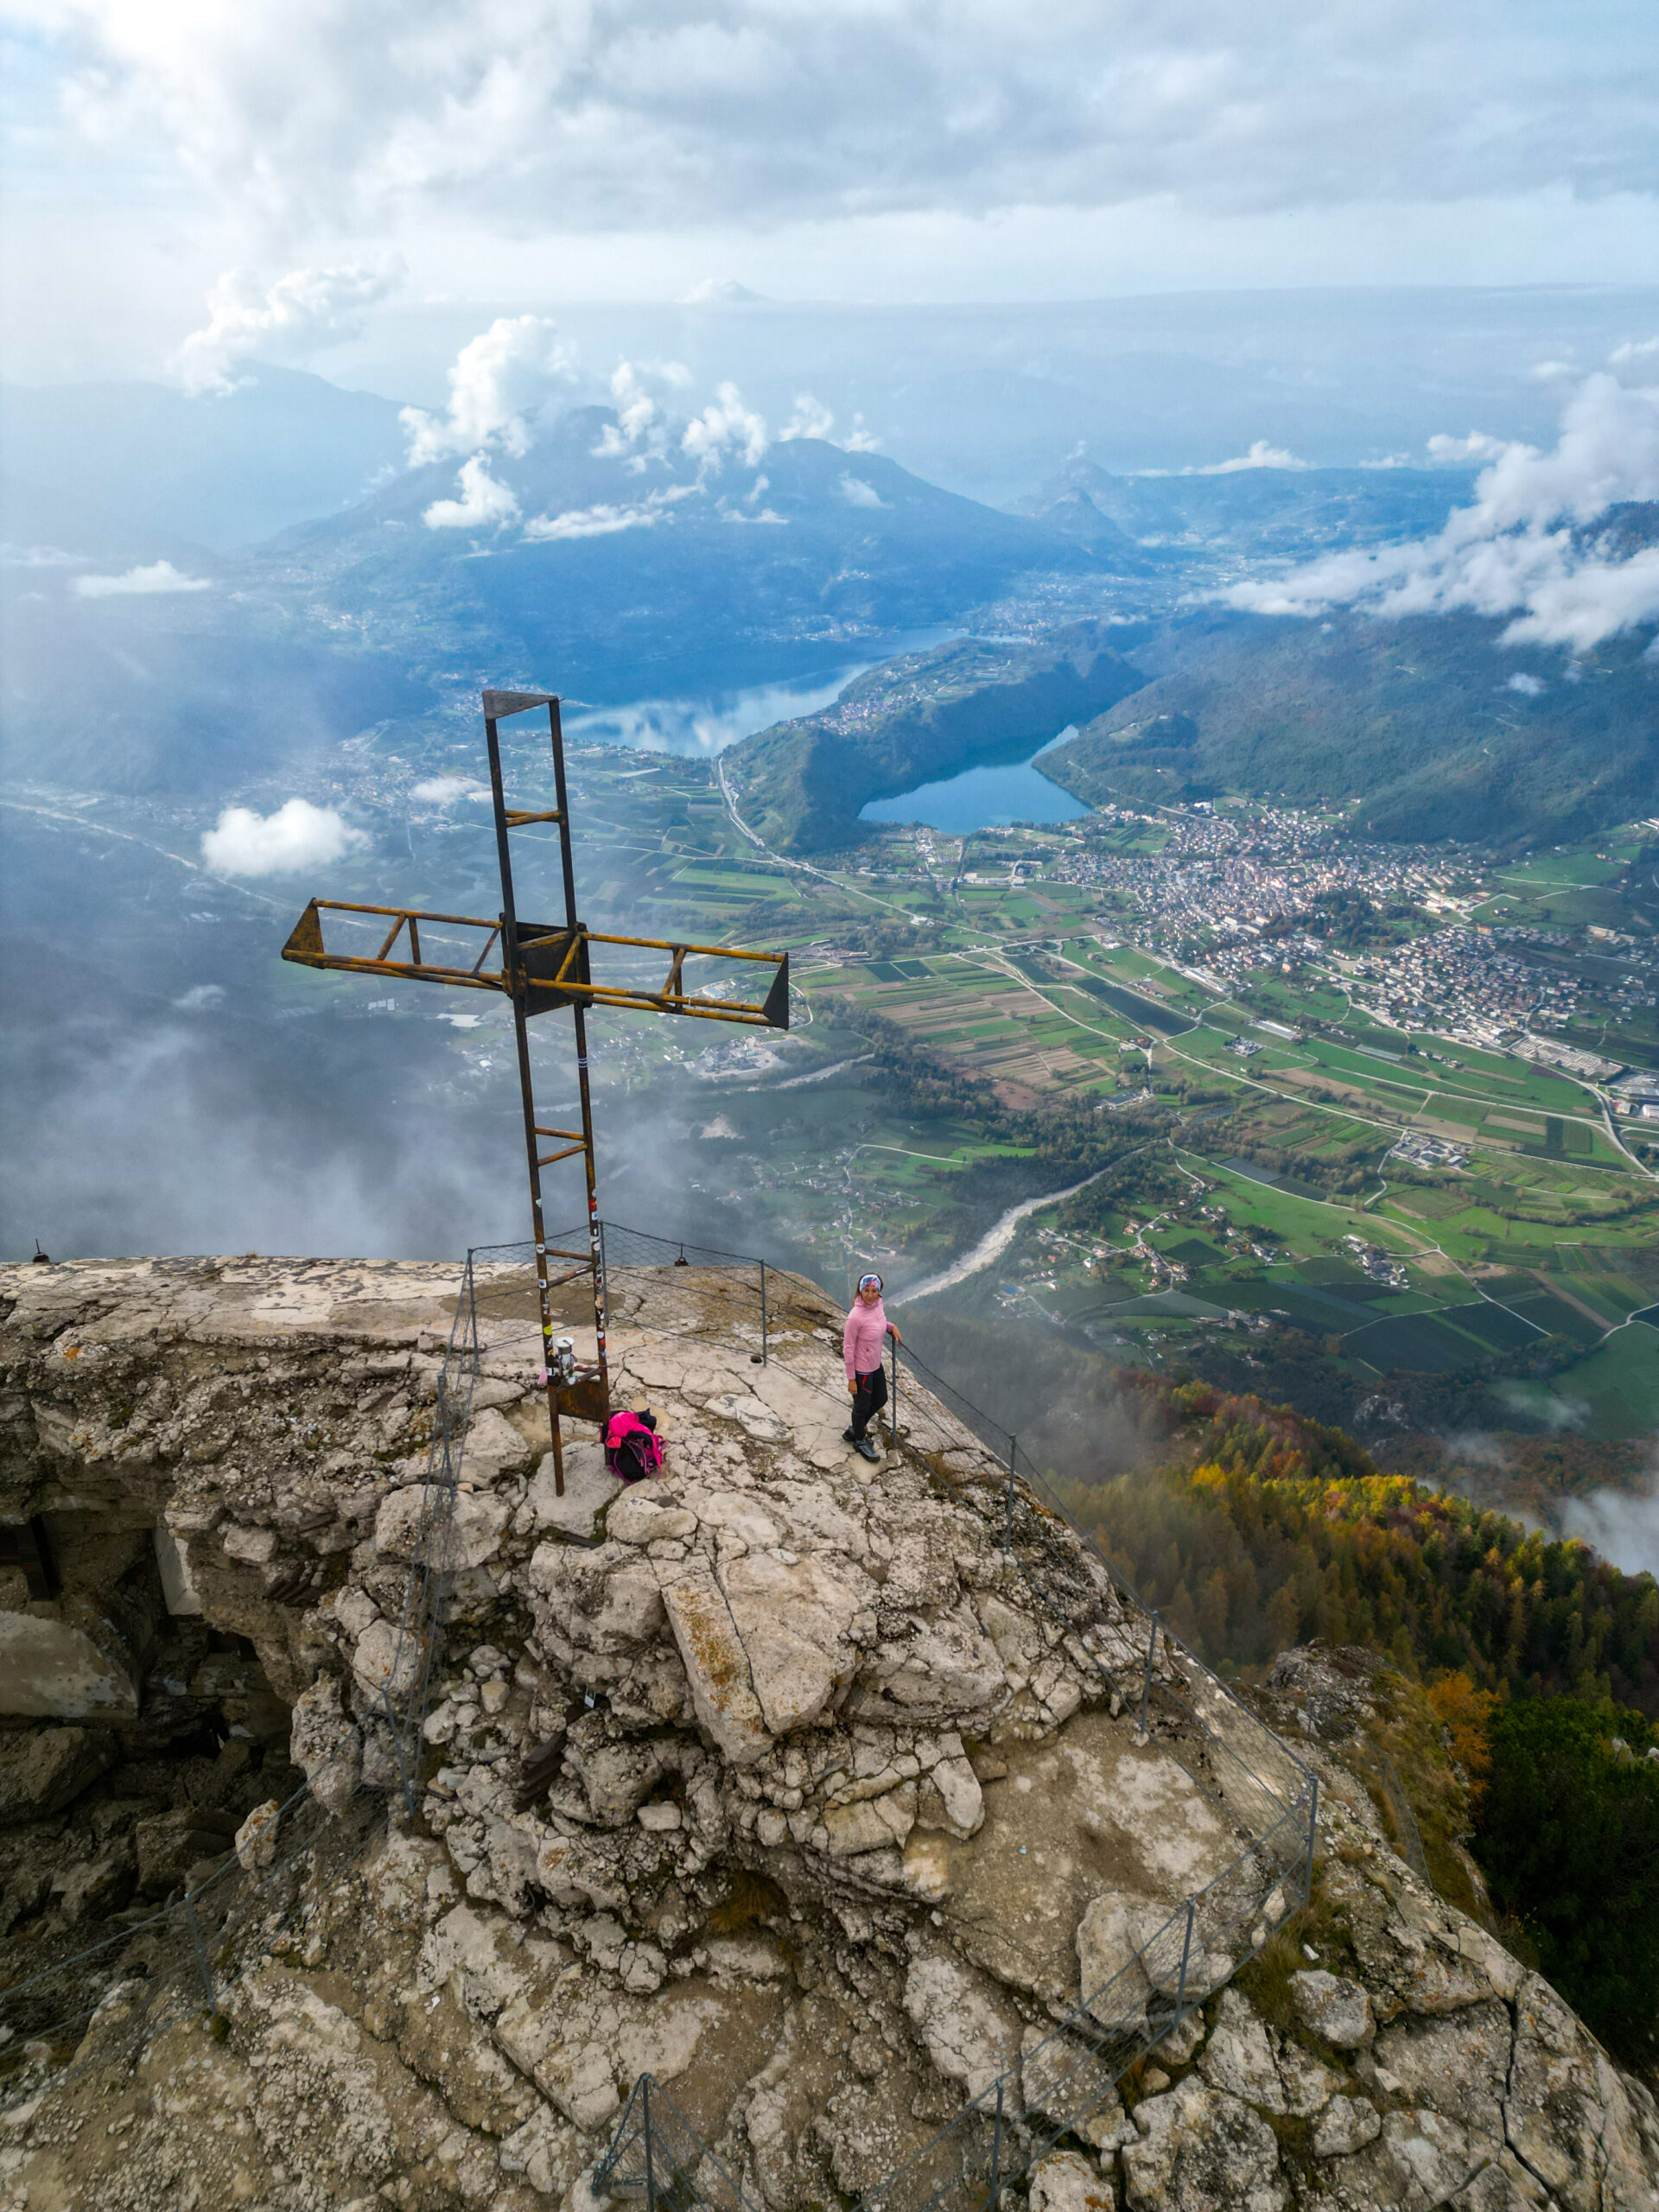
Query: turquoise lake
(982, 798)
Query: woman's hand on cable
(892, 1330)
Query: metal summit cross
(543, 966)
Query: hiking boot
(868, 1448)
(847, 1436)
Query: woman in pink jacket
(868, 1326)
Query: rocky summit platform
(771, 1777)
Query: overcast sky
(556, 151)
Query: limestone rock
(969, 2038)
(170, 1844)
(717, 1667)
(1202, 2150)
(325, 1745)
(256, 1839)
(45, 1768)
(1335, 2009)
(589, 1488)
(386, 1662)
(1063, 2182)
(1347, 2124)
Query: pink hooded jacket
(862, 1338)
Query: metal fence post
(996, 2155)
(650, 2171)
(1146, 1686)
(765, 1346)
(202, 1956)
(1312, 1831)
(1186, 1952)
(397, 1748)
(892, 1396)
(604, 1280)
(1008, 1525)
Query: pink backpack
(632, 1448)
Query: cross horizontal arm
(306, 946)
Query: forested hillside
(1417, 721)
(1265, 1529)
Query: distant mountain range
(1263, 510)
(617, 573)
(150, 647)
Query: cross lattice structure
(541, 968)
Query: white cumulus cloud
(1529, 687)
(857, 492)
(498, 381)
(728, 423)
(297, 835)
(641, 432)
(485, 503)
(140, 583)
(306, 308)
(1523, 548)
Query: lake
(703, 722)
(982, 799)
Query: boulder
(44, 1770)
(1063, 2181)
(170, 1844)
(256, 1839)
(325, 1745)
(968, 2036)
(1335, 2009)
(1202, 2150)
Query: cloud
(603, 521)
(297, 835)
(1529, 687)
(1460, 452)
(1524, 548)
(727, 424)
(498, 381)
(857, 492)
(140, 583)
(813, 419)
(1623, 1527)
(484, 503)
(307, 309)
(575, 116)
(202, 998)
(640, 431)
(720, 292)
(1260, 455)
(444, 791)
(1635, 353)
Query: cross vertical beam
(518, 977)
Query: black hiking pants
(868, 1400)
